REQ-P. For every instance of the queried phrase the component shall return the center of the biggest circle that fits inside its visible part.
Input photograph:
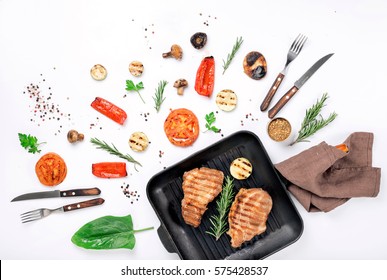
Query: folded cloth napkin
(325, 177)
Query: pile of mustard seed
(279, 129)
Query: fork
(44, 212)
(293, 52)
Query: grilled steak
(248, 215)
(200, 187)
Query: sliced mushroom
(199, 40)
(180, 84)
(176, 52)
(98, 72)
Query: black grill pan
(164, 191)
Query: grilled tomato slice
(181, 127)
(51, 169)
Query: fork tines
(298, 43)
(31, 216)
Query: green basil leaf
(108, 232)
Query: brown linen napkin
(324, 177)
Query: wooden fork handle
(80, 192)
(281, 103)
(83, 204)
(269, 96)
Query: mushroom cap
(176, 51)
(180, 83)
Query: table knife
(57, 193)
(297, 85)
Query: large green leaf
(108, 232)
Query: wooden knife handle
(80, 192)
(269, 96)
(281, 103)
(83, 204)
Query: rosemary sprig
(159, 95)
(231, 55)
(113, 151)
(219, 222)
(311, 123)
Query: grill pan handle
(166, 240)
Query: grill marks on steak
(200, 187)
(248, 215)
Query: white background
(61, 40)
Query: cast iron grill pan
(165, 193)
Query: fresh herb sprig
(113, 151)
(159, 95)
(313, 121)
(130, 86)
(210, 119)
(219, 221)
(30, 143)
(231, 55)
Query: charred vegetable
(180, 84)
(199, 40)
(136, 68)
(98, 72)
(51, 169)
(205, 77)
(74, 136)
(110, 110)
(109, 169)
(176, 52)
(254, 65)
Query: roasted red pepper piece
(205, 77)
(109, 169)
(109, 110)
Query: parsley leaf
(29, 143)
(210, 119)
(130, 86)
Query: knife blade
(57, 193)
(297, 85)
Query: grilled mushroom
(176, 52)
(180, 84)
(199, 40)
(74, 136)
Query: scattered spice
(148, 31)
(129, 193)
(42, 107)
(279, 129)
(145, 116)
(248, 117)
(95, 124)
(207, 19)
